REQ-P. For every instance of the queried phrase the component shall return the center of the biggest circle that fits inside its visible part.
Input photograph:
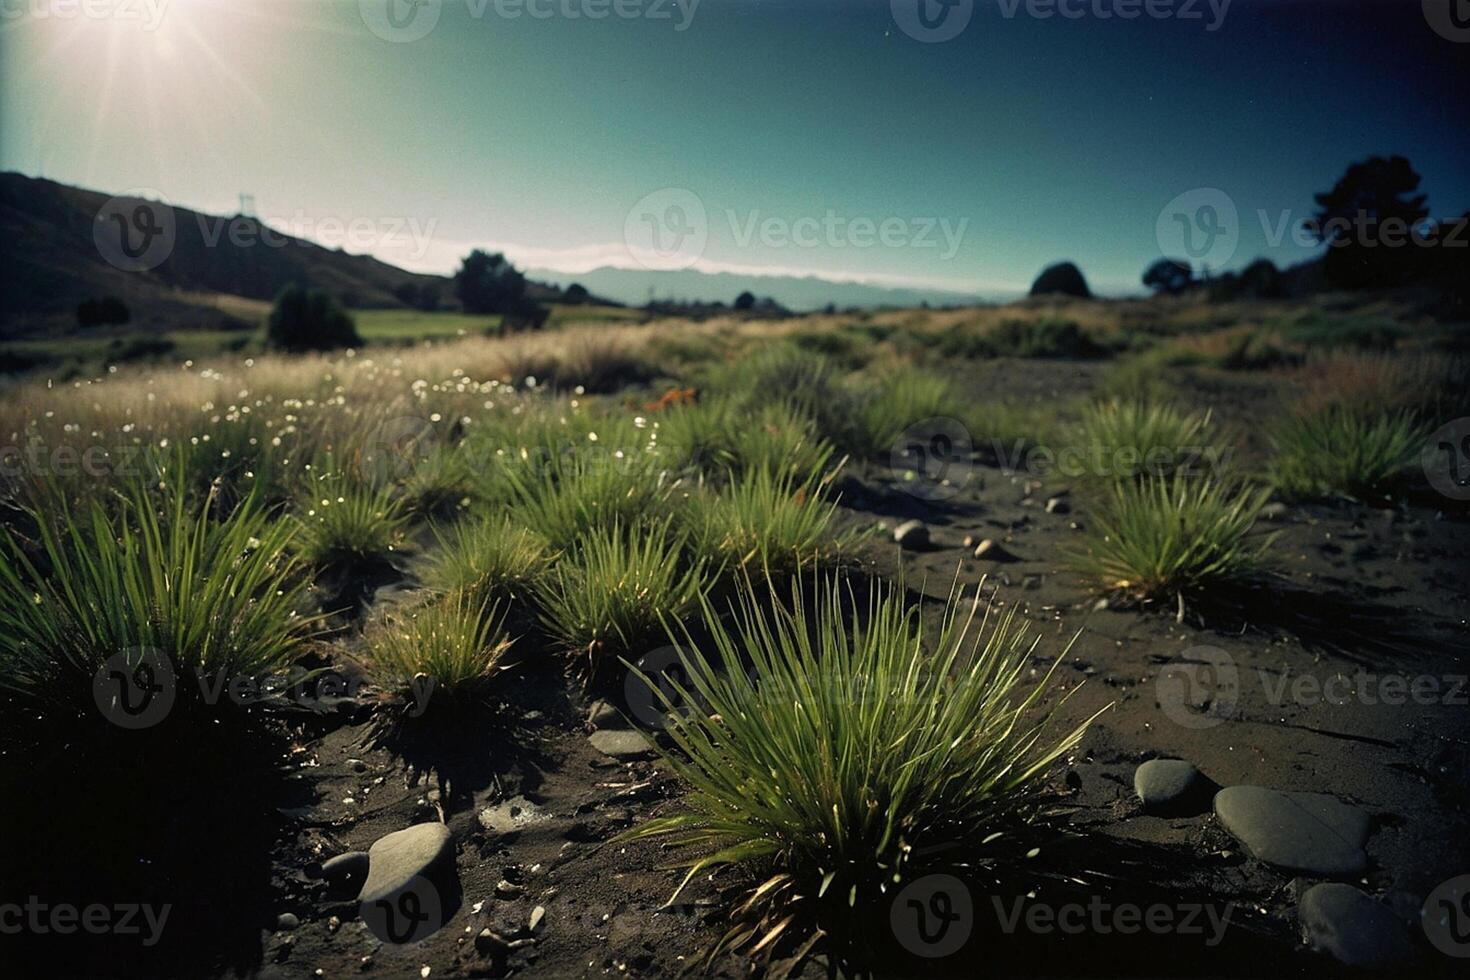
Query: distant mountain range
(636, 287)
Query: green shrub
(1163, 538)
(1343, 452)
(309, 319)
(828, 759)
(609, 596)
(217, 594)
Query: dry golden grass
(1421, 383)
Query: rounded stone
(1354, 928)
(346, 869)
(620, 744)
(1167, 784)
(400, 857)
(912, 535)
(1307, 832)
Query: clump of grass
(721, 434)
(826, 758)
(218, 594)
(346, 524)
(439, 484)
(801, 379)
(609, 596)
(1165, 537)
(1128, 438)
(484, 560)
(570, 495)
(603, 363)
(1009, 432)
(904, 397)
(1043, 338)
(765, 519)
(1339, 452)
(447, 649)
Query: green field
(87, 353)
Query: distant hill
(52, 263)
(636, 286)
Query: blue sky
(816, 136)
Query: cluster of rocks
(1310, 834)
(914, 535)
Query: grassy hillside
(53, 263)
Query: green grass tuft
(1164, 537)
(765, 519)
(825, 758)
(345, 523)
(218, 594)
(1340, 452)
(485, 560)
(1124, 439)
(447, 649)
(610, 595)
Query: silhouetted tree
(488, 283)
(1262, 278)
(1168, 276)
(575, 293)
(1366, 220)
(429, 297)
(745, 301)
(309, 319)
(1063, 278)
